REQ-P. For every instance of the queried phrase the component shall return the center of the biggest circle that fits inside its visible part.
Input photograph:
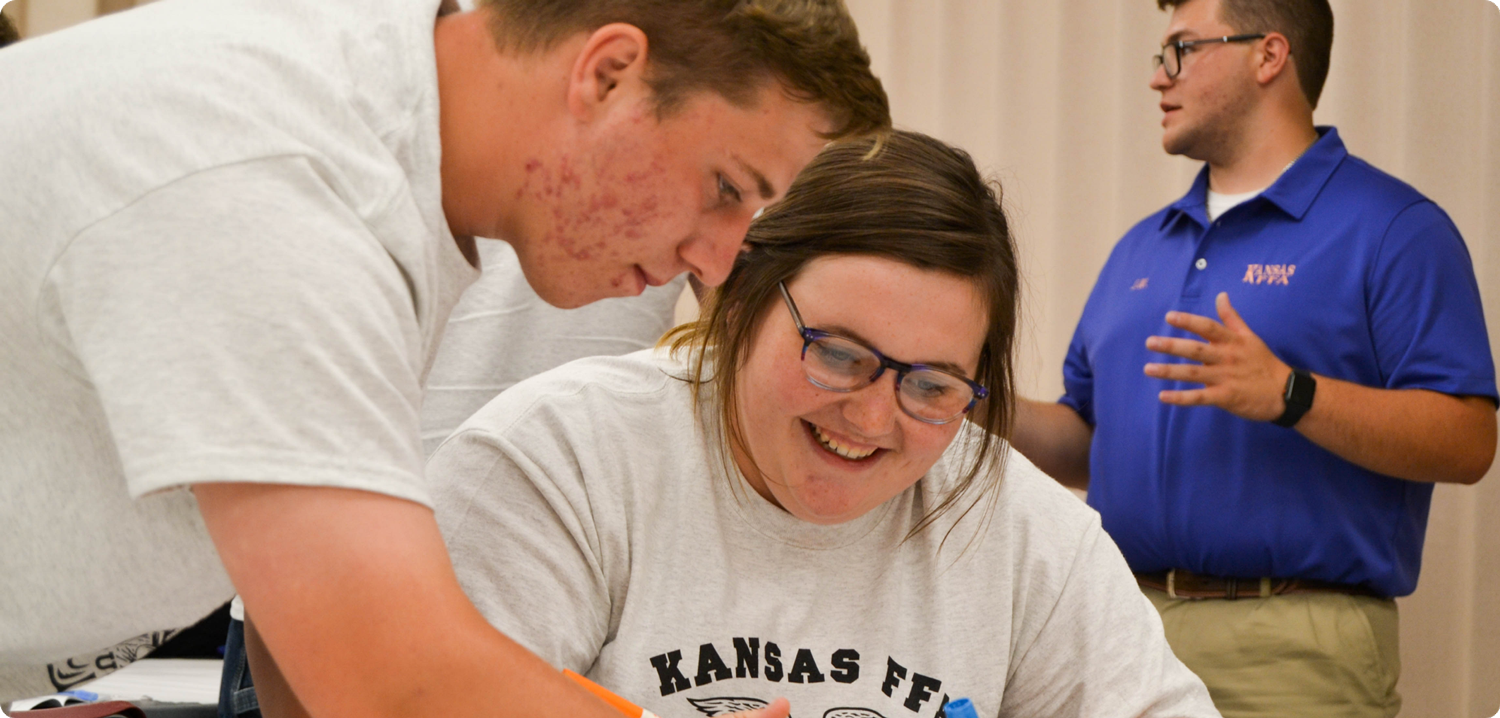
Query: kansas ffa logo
(1269, 273)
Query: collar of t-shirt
(1219, 203)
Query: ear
(610, 67)
(1273, 59)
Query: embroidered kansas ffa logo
(1269, 273)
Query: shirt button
(1201, 263)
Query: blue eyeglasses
(925, 393)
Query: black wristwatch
(1298, 396)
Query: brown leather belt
(1184, 584)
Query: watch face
(1298, 397)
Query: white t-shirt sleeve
(1100, 651)
(525, 542)
(242, 324)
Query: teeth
(831, 444)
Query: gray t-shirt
(223, 257)
(588, 519)
(501, 332)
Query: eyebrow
(848, 333)
(762, 184)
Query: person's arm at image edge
(353, 594)
(1055, 438)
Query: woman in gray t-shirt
(788, 501)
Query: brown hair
(8, 33)
(730, 47)
(907, 198)
(1307, 24)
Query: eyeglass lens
(1170, 60)
(841, 365)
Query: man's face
(1206, 104)
(638, 201)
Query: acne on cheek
(584, 225)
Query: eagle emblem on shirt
(729, 704)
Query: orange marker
(620, 704)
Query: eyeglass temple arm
(796, 315)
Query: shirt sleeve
(242, 324)
(524, 541)
(1078, 377)
(1100, 651)
(1426, 320)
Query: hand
(1238, 372)
(779, 708)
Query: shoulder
(1026, 511)
(1148, 229)
(1039, 507)
(1358, 178)
(595, 394)
(1386, 203)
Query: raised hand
(1238, 372)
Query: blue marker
(961, 708)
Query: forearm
(356, 603)
(1410, 434)
(1055, 438)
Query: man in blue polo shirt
(1269, 376)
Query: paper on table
(165, 680)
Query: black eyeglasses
(1170, 58)
(925, 393)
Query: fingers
(1200, 325)
(1185, 348)
(779, 708)
(1227, 313)
(1179, 372)
(1190, 397)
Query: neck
(1262, 155)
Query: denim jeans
(236, 691)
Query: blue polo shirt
(1342, 270)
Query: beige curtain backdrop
(1051, 97)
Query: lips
(648, 279)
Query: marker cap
(960, 708)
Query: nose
(1159, 80)
(710, 254)
(872, 410)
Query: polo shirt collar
(1293, 192)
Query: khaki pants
(1323, 655)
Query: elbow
(1475, 464)
(1478, 468)
(1472, 462)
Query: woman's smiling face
(802, 437)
